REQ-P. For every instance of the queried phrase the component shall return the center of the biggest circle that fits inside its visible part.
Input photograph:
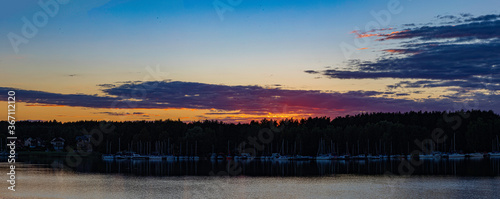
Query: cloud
(483, 18)
(311, 72)
(121, 113)
(446, 17)
(41, 98)
(464, 54)
(106, 85)
(459, 54)
(478, 29)
(230, 100)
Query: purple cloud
(237, 99)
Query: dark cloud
(483, 18)
(113, 113)
(311, 72)
(461, 55)
(255, 99)
(466, 15)
(479, 29)
(361, 93)
(230, 100)
(448, 17)
(120, 113)
(106, 85)
(41, 97)
(222, 113)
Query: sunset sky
(240, 60)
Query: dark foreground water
(451, 167)
(94, 178)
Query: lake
(94, 178)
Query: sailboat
(213, 156)
(278, 156)
(135, 156)
(455, 155)
(475, 155)
(169, 156)
(108, 156)
(321, 155)
(371, 157)
(155, 156)
(496, 153)
(195, 157)
(229, 156)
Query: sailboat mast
(319, 148)
(368, 145)
(294, 147)
(454, 144)
(379, 147)
(282, 146)
(408, 148)
(331, 146)
(347, 147)
(497, 144)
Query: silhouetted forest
(382, 133)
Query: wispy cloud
(122, 113)
(461, 51)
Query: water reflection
(458, 167)
(463, 167)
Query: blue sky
(262, 43)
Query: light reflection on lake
(451, 167)
(36, 182)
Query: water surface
(46, 182)
(95, 178)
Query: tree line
(374, 133)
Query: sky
(242, 60)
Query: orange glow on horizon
(47, 112)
